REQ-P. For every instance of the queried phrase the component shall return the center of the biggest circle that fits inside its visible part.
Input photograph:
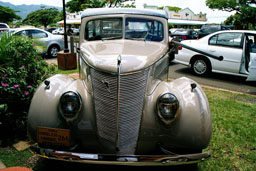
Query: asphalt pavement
(216, 80)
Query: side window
(227, 39)
(144, 29)
(103, 28)
(251, 38)
(38, 34)
(21, 33)
(213, 40)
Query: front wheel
(52, 51)
(201, 66)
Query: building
(184, 18)
(72, 19)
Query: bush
(21, 71)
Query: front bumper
(127, 160)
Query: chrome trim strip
(118, 100)
(127, 160)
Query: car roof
(227, 31)
(235, 31)
(109, 11)
(30, 28)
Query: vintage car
(122, 110)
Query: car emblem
(106, 83)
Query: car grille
(120, 131)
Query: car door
(250, 56)
(229, 45)
(40, 37)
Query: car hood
(135, 55)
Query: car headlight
(70, 104)
(168, 107)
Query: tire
(201, 66)
(52, 51)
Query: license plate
(53, 136)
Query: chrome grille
(124, 132)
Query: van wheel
(201, 66)
(52, 51)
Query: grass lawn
(233, 143)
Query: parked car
(238, 48)
(4, 27)
(52, 43)
(122, 110)
(211, 28)
(172, 30)
(75, 31)
(184, 34)
(58, 31)
(51, 29)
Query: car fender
(192, 128)
(44, 106)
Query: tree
(8, 15)
(44, 16)
(175, 9)
(229, 5)
(75, 5)
(245, 15)
(59, 17)
(80, 5)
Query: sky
(197, 6)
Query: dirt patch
(74, 75)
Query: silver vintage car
(122, 110)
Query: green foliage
(59, 17)
(75, 5)
(22, 71)
(244, 17)
(233, 143)
(121, 3)
(175, 9)
(8, 15)
(170, 25)
(79, 5)
(44, 16)
(11, 157)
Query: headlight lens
(167, 106)
(70, 104)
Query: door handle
(212, 50)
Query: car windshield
(143, 29)
(135, 28)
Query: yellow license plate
(53, 136)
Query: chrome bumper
(126, 160)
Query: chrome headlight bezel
(168, 107)
(70, 104)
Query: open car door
(250, 62)
(252, 68)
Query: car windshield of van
(104, 29)
(144, 29)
